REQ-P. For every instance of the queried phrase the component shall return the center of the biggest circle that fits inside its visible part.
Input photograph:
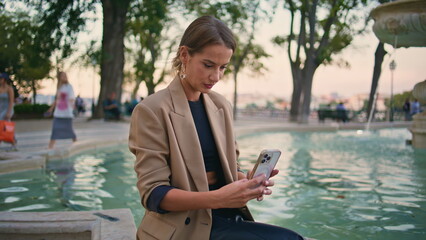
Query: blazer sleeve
(149, 143)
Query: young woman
(186, 154)
(7, 99)
(63, 112)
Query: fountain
(418, 128)
(403, 24)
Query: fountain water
(370, 115)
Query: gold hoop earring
(182, 73)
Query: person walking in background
(79, 105)
(62, 108)
(186, 153)
(406, 108)
(415, 107)
(7, 99)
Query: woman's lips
(209, 86)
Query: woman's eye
(208, 65)
(223, 67)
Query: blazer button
(187, 220)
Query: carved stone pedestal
(418, 129)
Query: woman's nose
(215, 75)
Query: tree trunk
(295, 99)
(296, 95)
(308, 72)
(150, 86)
(307, 93)
(33, 86)
(136, 89)
(378, 60)
(112, 63)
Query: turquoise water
(344, 185)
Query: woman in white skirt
(63, 114)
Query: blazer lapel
(217, 122)
(186, 135)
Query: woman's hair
(60, 74)
(202, 32)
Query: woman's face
(204, 69)
(63, 78)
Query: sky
(346, 82)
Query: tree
(248, 54)
(23, 53)
(43, 29)
(379, 55)
(63, 20)
(377, 71)
(326, 27)
(112, 58)
(148, 32)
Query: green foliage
(399, 99)
(269, 105)
(252, 106)
(31, 35)
(30, 108)
(61, 21)
(147, 31)
(319, 30)
(22, 53)
(91, 57)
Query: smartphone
(266, 162)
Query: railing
(353, 116)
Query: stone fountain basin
(111, 224)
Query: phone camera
(263, 160)
(269, 158)
(265, 156)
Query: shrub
(31, 108)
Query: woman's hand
(8, 116)
(238, 193)
(267, 184)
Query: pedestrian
(406, 108)
(79, 105)
(7, 99)
(186, 155)
(415, 107)
(341, 112)
(111, 107)
(62, 108)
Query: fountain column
(403, 24)
(418, 128)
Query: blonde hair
(60, 74)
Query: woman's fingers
(274, 172)
(256, 181)
(269, 183)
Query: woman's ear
(183, 54)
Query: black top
(205, 136)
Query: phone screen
(266, 162)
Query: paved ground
(34, 135)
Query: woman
(186, 155)
(7, 99)
(63, 114)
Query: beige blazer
(164, 140)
